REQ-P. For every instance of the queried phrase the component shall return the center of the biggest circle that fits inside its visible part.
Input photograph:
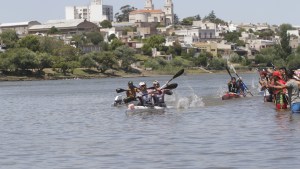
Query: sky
(237, 11)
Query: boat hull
(229, 96)
(133, 109)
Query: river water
(70, 124)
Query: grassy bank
(50, 74)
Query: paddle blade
(119, 90)
(168, 92)
(171, 86)
(178, 73)
(233, 68)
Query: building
(95, 12)
(163, 16)
(211, 47)
(21, 28)
(69, 27)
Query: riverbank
(94, 74)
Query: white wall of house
(293, 32)
(187, 32)
(95, 12)
(260, 44)
(204, 25)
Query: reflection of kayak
(228, 96)
(133, 109)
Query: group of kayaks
(134, 106)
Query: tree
(67, 52)
(197, 17)
(106, 61)
(124, 15)
(233, 37)
(176, 19)
(43, 60)
(95, 37)
(23, 58)
(30, 42)
(106, 24)
(211, 17)
(156, 41)
(9, 38)
(88, 61)
(111, 37)
(79, 40)
(126, 55)
(115, 44)
(188, 20)
(49, 45)
(285, 40)
(53, 30)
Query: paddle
(171, 86)
(176, 75)
(119, 90)
(248, 91)
(179, 73)
(228, 71)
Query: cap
(142, 83)
(130, 83)
(155, 82)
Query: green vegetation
(40, 57)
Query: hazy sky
(237, 11)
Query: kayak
(134, 109)
(228, 96)
(119, 101)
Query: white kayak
(133, 109)
(118, 102)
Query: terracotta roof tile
(146, 11)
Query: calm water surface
(70, 124)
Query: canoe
(228, 96)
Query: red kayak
(228, 96)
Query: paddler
(158, 94)
(130, 93)
(292, 85)
(279, 93)
(232, 86)
(144, 96)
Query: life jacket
(232, 87)
(131, 92)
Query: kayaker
(232, 86)
(158, 94)
(263, 81)
(241, 89)
(279, 93)
(130, 93)
(293, 91)
(144, 96)
(283, 73)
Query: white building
(163, 16)
(95, 12)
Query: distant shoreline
(115, 75)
